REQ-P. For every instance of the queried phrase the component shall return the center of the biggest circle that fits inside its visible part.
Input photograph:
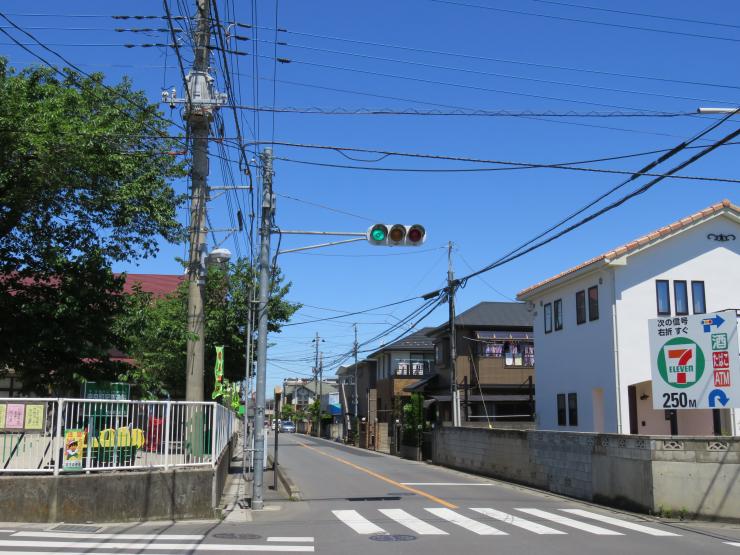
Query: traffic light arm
(320, 245)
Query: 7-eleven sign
(681, 362)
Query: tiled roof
(158, 285)
(491, 314)
(418, 341)
(642, 241)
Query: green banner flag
(218, 371)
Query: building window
(558, 305)
(572, 409)
(561, 410)
(593, 303)
(681, 297)
(580, 307)
(548, 318)
(697, 296)
(664, 297)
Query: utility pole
(198, 112)
(356, 399)
(321, 386)
(451, 286)
(268, 207)
(247, 384)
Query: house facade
(398, 365)
(591, 326)
(494, 366)
(366, 393)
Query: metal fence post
(214, 408)
(167, 425)
(57, 436)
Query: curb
(294, 494)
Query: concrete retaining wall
(114, 496)
(691, 476)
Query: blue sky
(485, 214)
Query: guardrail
(72, 435)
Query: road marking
(384, 478)
(467, 523)
(6, 531)
(446, 484)
(519, 522)
(81, 536)
(734, 544)
(297, 539)
(178, 547)
(358, 523)
(621, 523)
(411, 522)
(565, 521)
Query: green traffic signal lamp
(378, 234)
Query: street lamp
(218, 257)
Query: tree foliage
(155, 334)
(84, 182)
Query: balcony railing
(413, 368)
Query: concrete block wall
(652, 474)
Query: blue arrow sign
(717, 321)
(718, 394)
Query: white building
(591, 326)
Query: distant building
(494, 366)
(591, 326)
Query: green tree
(85, 181)
(154, 331)
(287, 413)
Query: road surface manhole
(393, 538)
(236, 536)
(76, 528)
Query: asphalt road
(357, 501)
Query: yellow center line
(384, 478)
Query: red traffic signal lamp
(396, 235)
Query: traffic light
(396, 235)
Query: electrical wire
(591, 22)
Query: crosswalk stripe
(297, 539)
(467, 523)
(733, 544)
(357, 522)
(620, 523)
(519, 522)
(565, 521)
(410, 521)
(81, 536)
(177, 547)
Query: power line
(352, 313)
(508, 60)
(639, 14)
(591, 22)
(495, 74)
(520, 165)
(518, 252)
(323, 206)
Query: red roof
(158, 285)
(642, 241)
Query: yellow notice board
(2, 415)
(34, 417)
(74, 442)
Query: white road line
(357, 522)
(467, 523)
(446, 484)
(81, 536)
(565, 521)
(734, 544)
(297, 539)
(519, 522)
(177, 547)
(411, 522)
(620, 523)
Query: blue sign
(718, 395)
(717, 321)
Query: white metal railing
(73, 435)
